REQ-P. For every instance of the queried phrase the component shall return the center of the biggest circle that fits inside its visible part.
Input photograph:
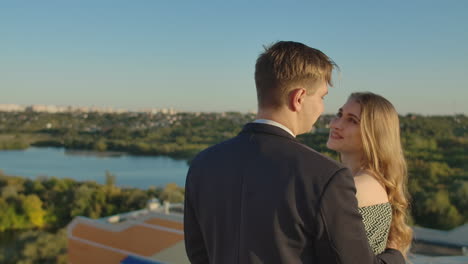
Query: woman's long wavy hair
(384, 158)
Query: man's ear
(296, 99)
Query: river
(131, 171)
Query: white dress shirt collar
(273, 123)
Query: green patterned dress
(377, 219)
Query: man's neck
(278, 117)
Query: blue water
(132, 171)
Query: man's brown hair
(284, 66)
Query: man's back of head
(292, 80)
(285, 65)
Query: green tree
(82, 198)
(32, 206)
(111, 179)
(172, 193)
(441, 213)
(459, 195)
(39, 247)
(7, 215)
(100, 145)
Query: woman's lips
(335, 135)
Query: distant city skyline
(77, 108)
(200, 57)
(154, 110)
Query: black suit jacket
(263, 197)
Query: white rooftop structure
(421, 259)
(457, 237)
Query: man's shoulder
(308, 154)
(292, 150)
(214, 150)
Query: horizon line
(51, 108)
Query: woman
(366, 133)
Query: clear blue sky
(200, 55)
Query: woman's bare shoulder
(369, 191)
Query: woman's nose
(335, 123)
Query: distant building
(11, 108)
(149, 236)
(434, 242)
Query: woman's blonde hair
(384, 158)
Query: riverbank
(135, 147)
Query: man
(262, 197)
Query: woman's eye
(353, 120)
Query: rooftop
(139, 237)
(420, 259)
(457, 237)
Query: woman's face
(345, 129)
